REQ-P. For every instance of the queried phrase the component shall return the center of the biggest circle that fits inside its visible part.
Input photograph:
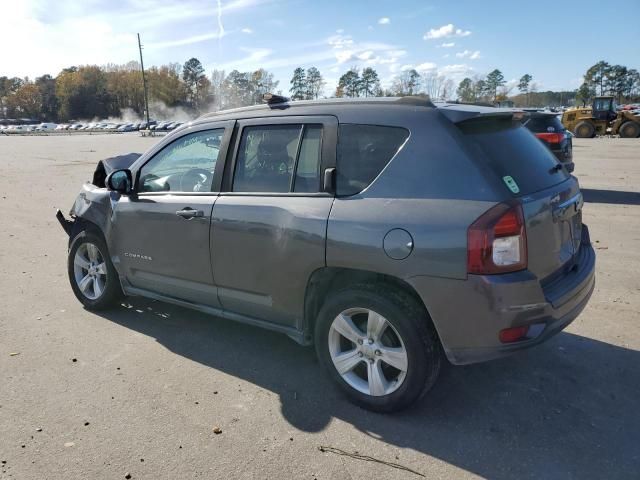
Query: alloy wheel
(90, 270)
(367, 352)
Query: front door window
(186, 165)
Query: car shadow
(566, 409)
(616, 197)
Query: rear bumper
(469, 314)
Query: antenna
(144, 83)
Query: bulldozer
(601, 118)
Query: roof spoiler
(457, 113)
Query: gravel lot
(140, 389)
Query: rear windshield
(523, 163)
(544, 124)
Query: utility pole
(144, 83)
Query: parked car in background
(389, 232)
(45, 127)
(549, 129)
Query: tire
(629, 129)
(406, 328)
(585, 129)
(88, 259)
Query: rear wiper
(556, 168)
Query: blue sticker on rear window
(511, 183)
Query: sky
(555, 42)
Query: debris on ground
(217, 430)
(13, 354)
(367, 458)
(69, 444)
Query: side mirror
(120, 181)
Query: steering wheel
(195, 180)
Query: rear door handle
(190, 213)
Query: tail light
(551, 137)
(497, 241)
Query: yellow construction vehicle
(601, 119)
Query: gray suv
(392, 233)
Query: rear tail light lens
(551, 137)
(497, 241)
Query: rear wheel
(93, 278)
(379, 346)
(630, 129)
(585, 129)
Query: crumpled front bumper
(67, 225)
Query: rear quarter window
(509, 150)
(363, 151)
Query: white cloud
(446, 31)
(446, 55)
(340, 31)
(448, 44)
(346, 50)
(426, 67)
(456, 69)
(366, 55)
(98, 33)
(340, 41)
(384, 21)
(247, 30)
(469, 54)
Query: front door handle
(190, 213)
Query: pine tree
(315, 83)
(523, 85)
(494, 80)
(298, 84)
(369, 82)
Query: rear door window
(511, 151)
(363, 151)
(279, 159)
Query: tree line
(619, 81)
(89, 91)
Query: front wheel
(93, 278)
(379, 346)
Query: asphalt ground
(140, 389)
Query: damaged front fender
(94, 204)
(93, 207)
